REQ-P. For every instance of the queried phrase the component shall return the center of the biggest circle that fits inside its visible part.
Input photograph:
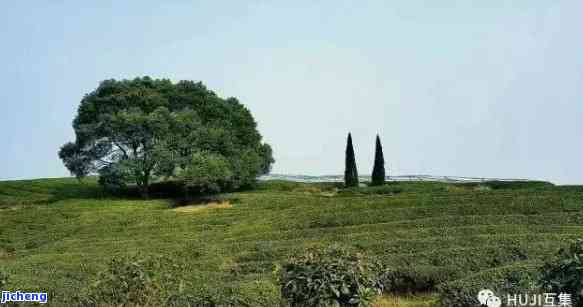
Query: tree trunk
(145, 192)
(145, 185)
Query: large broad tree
(140, 130)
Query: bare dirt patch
(204, 207)
(4, 254)
(10, 207)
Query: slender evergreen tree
(378, 170)
(350, 172)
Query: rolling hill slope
(57, 234)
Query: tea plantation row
(57, 235)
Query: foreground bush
(564, 273)
(254, 294)
(131, 281)
(510, 279)
(3, 279)
(157, 281)
(413, 279)
(333, 277)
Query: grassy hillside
(57, 234)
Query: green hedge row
(513, 279)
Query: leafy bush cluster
(505, 185)
(409, 279)
(133, 281)
(510, 279)
(299, 187)
(372, 190)
(255, 294)
(564, 273)
(335, 276)
(3, 279)
(515, 185)
(156, 281)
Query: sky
(457, 88)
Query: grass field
(57, 234)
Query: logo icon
(486, 297)
(493, 301)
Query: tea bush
(387, 189)
(519, 278)
(335, 276)
(3, 279)
(58, 234)
(515, 185)
(255, 294)
(132, 281)
(564, 273)
(417, 279)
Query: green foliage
(59, 233)
(3, 279)
(132, 281)
(289, 186)
(191, 300)
(350, 171)
(378, 170)
(260, 293)
(409, 279)
(333, 277)
(507, 185)
(256, 294)
(206, 173)
(77, 159)
(515, 185)
(373, 190)
(205, 297)
(131, 131)
(114, 177)
(564, 273)
(511, 279)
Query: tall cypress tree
(350, 172)
(378, 170)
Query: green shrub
(206, 173)
(386, 189)
(3, 279)
(201, 298)
(509, 279)
(564, 273)
(114, 178)
(409, 279)
(291, 186)
(279, 185)
(515, 185)
(256, 294)
(495, 255)
(335, 276)
(132, 281)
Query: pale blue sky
(467, 88)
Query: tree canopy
(350, 171)
(135, 131)
(378, 170)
